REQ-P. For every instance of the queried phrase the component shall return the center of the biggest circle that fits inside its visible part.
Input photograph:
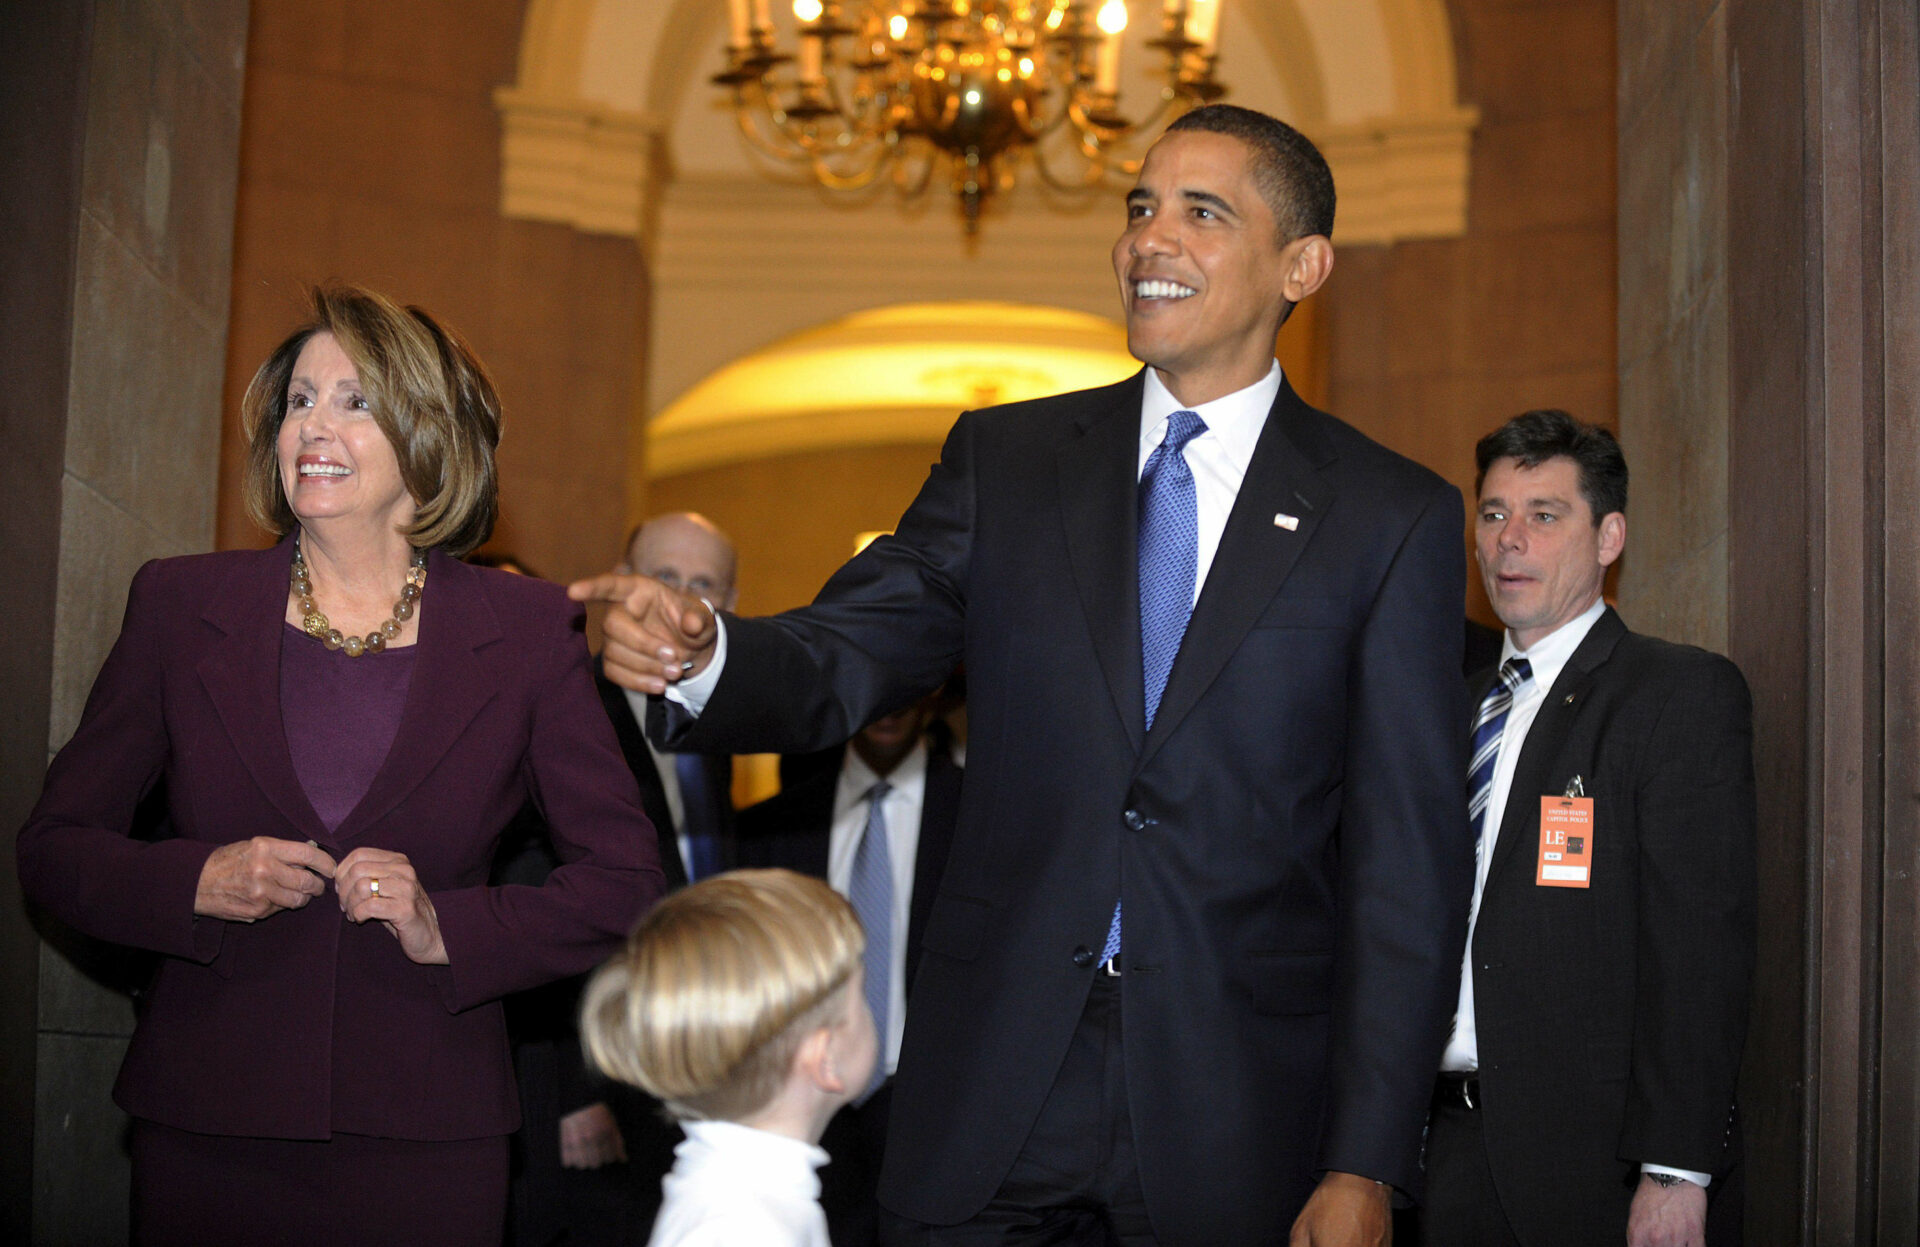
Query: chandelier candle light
(903, 86)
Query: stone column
(125, 119)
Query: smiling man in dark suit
(1586, 1095)
(1192, 959)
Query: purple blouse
(340, 715)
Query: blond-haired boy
(738, 1003)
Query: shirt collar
(856, 777)
(1234, 420)
(1550, 653)
(792, 1159)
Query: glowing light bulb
(808, 10)
(1113, 16)
(897, 27)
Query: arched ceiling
(890, 374)
(612, 101)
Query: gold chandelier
(904, 86)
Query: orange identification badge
(1566, 842)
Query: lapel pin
(1569, 699)
(1288, 522)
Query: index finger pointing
(606, 587)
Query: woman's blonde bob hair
(428, 393)
(716, 988)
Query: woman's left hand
(377, 885)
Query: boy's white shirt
(736, 1186)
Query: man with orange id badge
(1566, 837)
(1586, 1095)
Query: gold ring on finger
(373, 886)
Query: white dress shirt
(1218, 458)
(734, 1186)
(1547, 658)
(902, 807)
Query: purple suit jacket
(301, 1024)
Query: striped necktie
(1487, 728)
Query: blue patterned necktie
(1169, 561)
(699, 820)
(871, 890)
(1487, 728)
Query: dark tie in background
(1169, 561)
(699, 815)
(871, 891)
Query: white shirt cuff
(693, 691)
(1698, 1179)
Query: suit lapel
(1253, 560)
(451, 682)
(242, 679)
(939, 809)
(653, 794)
(1533, 774)
(1098, 473)
(812, 853)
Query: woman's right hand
(251, 879)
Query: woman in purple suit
(344, 723)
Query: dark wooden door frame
(1824, 599)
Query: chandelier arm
(1093, 174)
(867, 110)
(918, 186)
(747, 119)
(1046, 128)
(860, 179)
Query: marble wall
(141, 293)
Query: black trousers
(1462, 1208)
(1077, 1178)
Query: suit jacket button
(1083, 956)
(1134, 820)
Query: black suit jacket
(793, 829)
(1610, 1019)
(653, 793)
(1290, 839)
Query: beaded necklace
(316, 625)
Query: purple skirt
(211, 1190)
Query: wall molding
(576, 163)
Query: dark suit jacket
(1611, 1018)
(1290, 839)
(301, 1025)
(653, 793)
(793, 830)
